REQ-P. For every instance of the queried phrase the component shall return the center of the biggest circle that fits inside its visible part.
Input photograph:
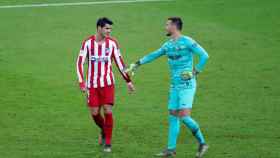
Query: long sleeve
(120, 64)
(152, 56)
(80, 62)
(203, 55)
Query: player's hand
(130, 87)
(187, 75)
(195, 72)
(132, 68)
(83, 87)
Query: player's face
(170, 28)
(106, 30)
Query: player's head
(173, 25)
(104, 26)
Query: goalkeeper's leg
(186, 100)
(195, 129)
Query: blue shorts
(182, 96)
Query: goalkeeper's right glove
(133, 67)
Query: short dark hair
(177, 21)
(103, 21)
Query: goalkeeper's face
(106, 30)
(170, 28)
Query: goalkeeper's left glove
(187, 75)
(133, 67)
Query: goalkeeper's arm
(146, 59)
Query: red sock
(108, 128)
(99, 121)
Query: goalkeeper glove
(186, 75)
(133, 67)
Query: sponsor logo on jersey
(174, 57)
(99, 58)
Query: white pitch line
(78, 3)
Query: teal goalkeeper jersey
(180, 54)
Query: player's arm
(121, 67)
(146, 59)
(120, 64)
(80, 66)
(201, 53)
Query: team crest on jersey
(107, 51)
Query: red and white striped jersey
(100, 56)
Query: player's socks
(174, 129)
(194, 127)
(99, 121)
(108, 128)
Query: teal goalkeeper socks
(194, 127)
(174, 129)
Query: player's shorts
(182, 96)
(100, 96)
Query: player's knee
(107, 109)
(184, 112)
(95, 111)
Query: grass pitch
(43, 114)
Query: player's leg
(185, 115)
(186, 100)
(192, 125)
(94, 107)
(107, 100)
(108, 127)
(174, 125)
(99, 121)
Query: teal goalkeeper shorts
(182, 96)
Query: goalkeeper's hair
(103, 21)
(177, 21)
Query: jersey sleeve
(80, 62)
(119, 62)
(153, 56)
(200, 52)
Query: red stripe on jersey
(106, 63)
(91, 63)
(88, 63)
(99, 64)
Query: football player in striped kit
(99, 50)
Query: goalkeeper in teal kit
(180, 51)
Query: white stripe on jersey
(88, 48)
(95, 66)
(102, 65)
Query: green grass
(43, 114)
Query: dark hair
(103, 21)
(177, 21)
